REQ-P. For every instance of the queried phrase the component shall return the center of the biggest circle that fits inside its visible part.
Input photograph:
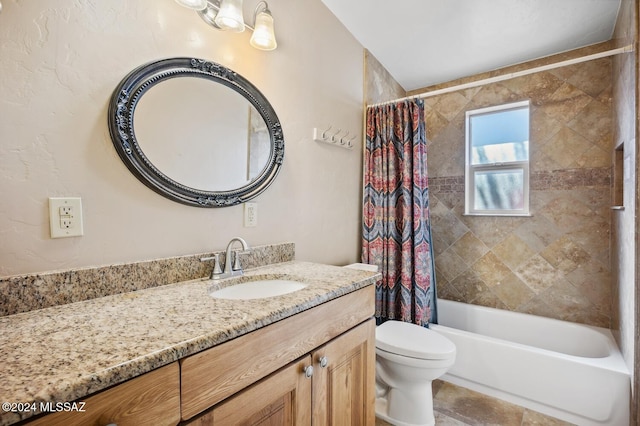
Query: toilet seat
(411, 340)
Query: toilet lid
(403, 338)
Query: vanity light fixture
(226, 15)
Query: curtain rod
(508, 76)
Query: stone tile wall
(556, 262)
(625, 224)
(379, 84)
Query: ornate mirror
(196, 132)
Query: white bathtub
(570, 371)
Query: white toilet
(408, 359)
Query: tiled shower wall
(556, 262)
(624, 222)
(379, 84)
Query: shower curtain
(396, 224)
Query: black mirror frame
(120, 119)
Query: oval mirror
(196, 132)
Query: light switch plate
(65, 217)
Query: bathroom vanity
(175, 355)
(337, 374)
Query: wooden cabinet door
(281, 399)
(344, 389)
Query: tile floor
(457, 406)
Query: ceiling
(425, 42)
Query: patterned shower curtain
(397, 228)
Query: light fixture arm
(257, 10)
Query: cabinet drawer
(152, 399)
(217, 373)
(283, 399)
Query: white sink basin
(257, 289)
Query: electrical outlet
(65, 217)
(250, 215)
(66, 210)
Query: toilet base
(425, 411)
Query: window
(497, 160)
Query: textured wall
(60, 61)
(556, 262)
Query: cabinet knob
(324, 361)
(308, 371)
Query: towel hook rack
(334, 137)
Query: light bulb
(230, 17)
(263, 37)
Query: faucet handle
(236, 260)
(216, 264)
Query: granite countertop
(63, 353)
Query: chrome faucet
(236, 269)
(231, 269)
